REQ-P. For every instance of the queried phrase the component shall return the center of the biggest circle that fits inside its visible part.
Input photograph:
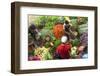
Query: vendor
(63, 50)
(83, 48)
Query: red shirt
(64, 50)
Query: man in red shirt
(63, 50)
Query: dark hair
(66, 22)
(32, 26)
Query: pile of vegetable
(48, 31)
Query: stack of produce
(43, 53)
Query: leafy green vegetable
(75, 42)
